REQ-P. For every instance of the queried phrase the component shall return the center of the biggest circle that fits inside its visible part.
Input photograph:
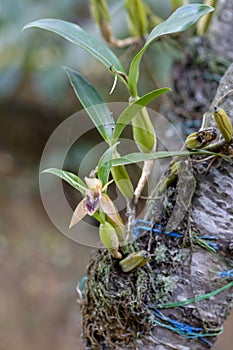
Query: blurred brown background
(40, 267)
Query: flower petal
(91, 202)
(78, 214)
(109, 208)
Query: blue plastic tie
(183, 329)
(142, 225)
(226, 273)
(211, 244)
(208, 237)
(82, 283)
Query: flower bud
(100, 11)
(224, 123)
(134, 261)
(109, 239)
(137, 16)
(200, 138)
(122, 181)
(143, 131)
(102, 17)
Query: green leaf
(75, 34)
(93, 104)
(104, 164)
(179, 21)
(141, 157)
(70, 178)
(130, 112)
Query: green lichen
(165, 286)
(160, 253)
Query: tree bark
(210, 214)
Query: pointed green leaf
(75, 34)
(70, 178)
(104, 164)
(141, 157)
(130, 112)
(93, 104)
(179, 21)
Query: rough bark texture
(210, 214)
(212, 209)
(196, 78)
(221, 29)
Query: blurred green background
(39, 266)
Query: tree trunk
(132, 311)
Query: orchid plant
(96, 201)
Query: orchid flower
(95, 199)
